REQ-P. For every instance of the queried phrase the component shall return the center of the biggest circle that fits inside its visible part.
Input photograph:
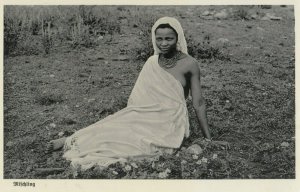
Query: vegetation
(67, 67)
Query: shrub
(144, 22)
(11, 35)
(204, 49)
(52, 25)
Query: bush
(241, 14)
(11, 35)
(144, 23)
(204, 49)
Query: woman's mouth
(164, 49)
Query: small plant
(47, 40)
(79, 34)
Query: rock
(121, 58)
(115, 172)
(183, 162)
(195, 157)
(276, 18)
(204, 160)
(134, 165)
(52, 75)
(84, 75)
(163, 175)
(195, 149)
(209, 17)
(60, 134)
(265, 146)
(254, 16)
(168, 170)
(9, 144)
(28, 169)
(215, 156)
(52, 125)
(284, 144)
(127, 167)
(265, 18)
(270, 16)
(206, 13)
(261, 29)
(153, 165)
(91, 100)
(221, 15)
(223, 40)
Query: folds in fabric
(155, 118)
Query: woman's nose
(164, 43)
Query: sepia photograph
(148, 92)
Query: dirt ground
(250, 101)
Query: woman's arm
(198, 100)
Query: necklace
(170, 62)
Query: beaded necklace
(170, 62)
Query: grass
(57, 82)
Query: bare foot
(56, 144)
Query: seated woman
(156, 117)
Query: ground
(250, 98)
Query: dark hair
(166, 25)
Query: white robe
(155, 119)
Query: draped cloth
(154, 121)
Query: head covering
(181, 42)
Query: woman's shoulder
(190, 61)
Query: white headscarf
(181, 42)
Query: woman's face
(166, 40)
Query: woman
(156, 117)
